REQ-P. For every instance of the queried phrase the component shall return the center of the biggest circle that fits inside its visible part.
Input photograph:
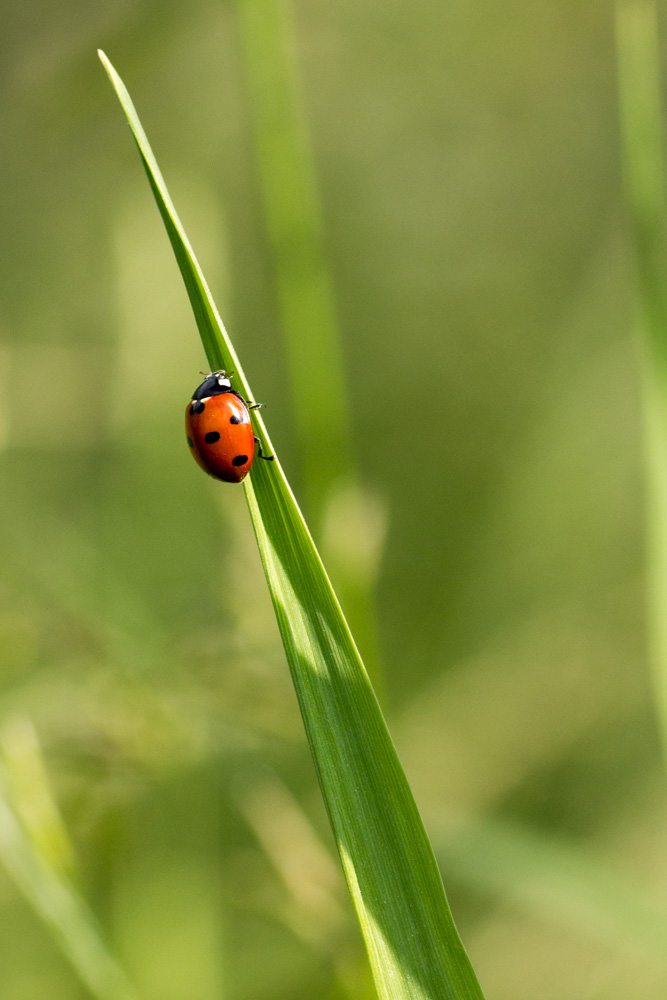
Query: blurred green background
(468, 165)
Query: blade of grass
(643, 161)
(293, 217)
(312, 909)
(414, 949)
(293, 220)
(59, 906)
(32, 799)
(555, 881)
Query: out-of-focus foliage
(468, 161)
(640, 107)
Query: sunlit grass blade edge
(413, 946)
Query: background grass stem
(304, 289)
(643, 159)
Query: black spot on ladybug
(191, 445)
(212, 437)
(240, 460)
(197, 407)
(235, 420)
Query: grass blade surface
(413, 946)
(643, 161)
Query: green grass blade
(292, 215)
(556, 882)
(643, 161)
(304, 287)
(57, 903)
(30, 792)
(413, 946)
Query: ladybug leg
(255, 406)
(267, 458)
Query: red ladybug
(218, 429)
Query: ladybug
(218, 429)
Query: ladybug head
(213, 385)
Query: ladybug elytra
(218, 429)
